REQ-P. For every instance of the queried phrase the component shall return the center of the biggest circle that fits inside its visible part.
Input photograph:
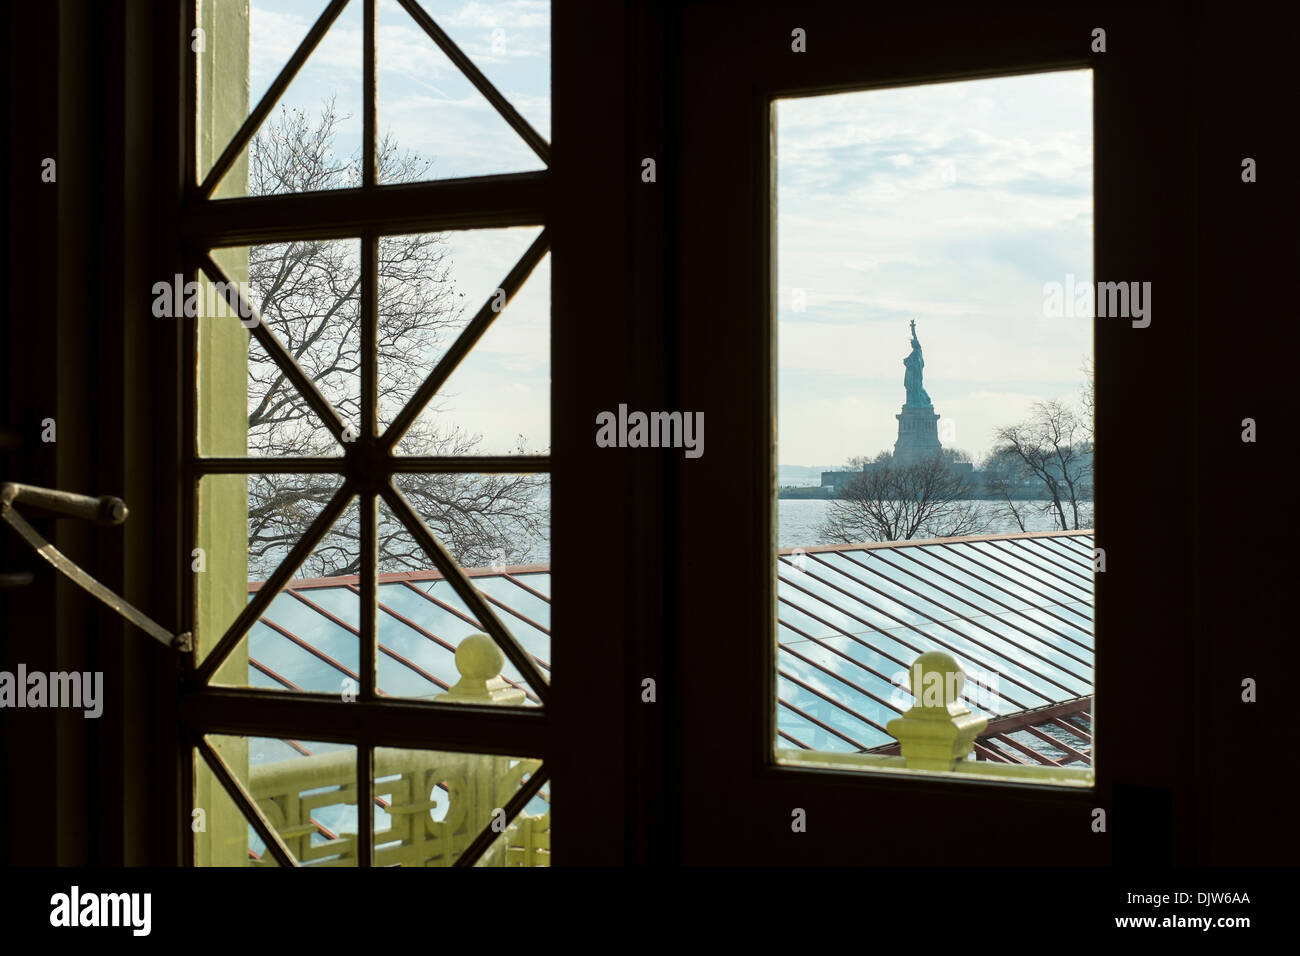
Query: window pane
(496, 528)
(935, 435)
(431, 805)
(433, 122)
(311, 139)
(307, 790)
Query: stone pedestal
(918, 435)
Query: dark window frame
(725, 190)
(588, 672)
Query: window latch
(104, 510)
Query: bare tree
(892, 503)
(1088, 399)
(1003, 480)
(1052, 449)
(308, 293)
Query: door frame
(724, 637)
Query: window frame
(725, 120)
(558, 198)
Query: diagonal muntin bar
(326, 412)
(487, 836)
(480, 608)
(270, 98)
(481, 82)
(247, 805)
(468, 337)
(437, 602)
(254, 609)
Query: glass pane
(944, 571)
(423, 622)
(222, 836)
(431, 286)
(306, 789)
(292, 645)
(433, 122)
(311, 139)
(307, 293)
(497, 401)
(510, 42)
(431, 805)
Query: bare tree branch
(308, 293)
(1052, 450)
(889, 503)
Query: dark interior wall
(82, 348)
(30, 388)
(1240, 78)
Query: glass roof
(1015, 610)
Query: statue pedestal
(918, 435)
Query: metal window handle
(104, 510)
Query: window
(935, 547)
(370, 433)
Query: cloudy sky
(951, 204)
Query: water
(798, 519)
(798, 524)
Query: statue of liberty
(914, 363)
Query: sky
(502, 389)
(951, 204)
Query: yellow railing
(937, 735)
(437, 803)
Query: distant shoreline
(826, 493)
